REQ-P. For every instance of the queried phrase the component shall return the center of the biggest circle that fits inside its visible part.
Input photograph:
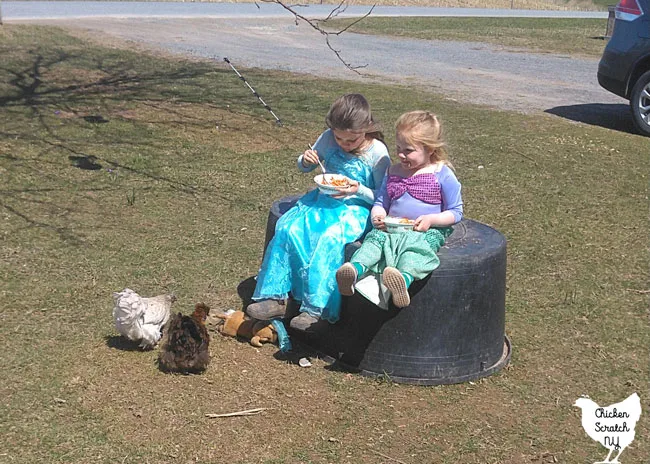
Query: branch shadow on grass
(105, 84)
(610, 116)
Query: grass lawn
(123, 169)
(577, 37)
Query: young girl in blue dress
(423, 189)
(308, 246)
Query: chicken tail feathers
(186, 349)
(128, 312)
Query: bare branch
(337, 11)
(248, 412)
(356, 22)
(316, 25)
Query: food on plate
(328, 183)
(337, 182)
(406, 221)
(399, 220)
(398, 224)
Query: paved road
(270, 39)
(17, 10)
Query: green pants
(412, 252)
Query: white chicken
(141, 319)
(611, 426)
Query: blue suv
(624, 68)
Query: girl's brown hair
(424, 128)
(351, 112)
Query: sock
(408, 278)
(360, 268)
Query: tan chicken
(186, 346)
(141, 319)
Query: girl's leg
(396, 282)
(371, 251)
(346, 277)
(414, 262)
(420, 258)
(274, 279)
(368, 255)
(411, 265)
(267, 309)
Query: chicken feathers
(141, 319)
(187, 342)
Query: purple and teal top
(426, 193)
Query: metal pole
(277, 120)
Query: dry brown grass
(75, 392)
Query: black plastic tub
(454, 329)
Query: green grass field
(121, 169)
(579, 37)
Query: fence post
(611, 20)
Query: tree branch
(316, 25)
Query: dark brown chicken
(186, 345)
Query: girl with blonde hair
(421, 189)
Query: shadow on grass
(245, 291)
(120, 343)
(610, 116)
(105, 80)
(87, 163)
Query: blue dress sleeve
(380, 164)
(451, 193)
(381, 197)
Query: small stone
(304, 362)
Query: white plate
(325, 187)
(396, 224)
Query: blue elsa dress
(310, 238)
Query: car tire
(640, 104)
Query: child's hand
(351, 189)
(424, 223)
(378, 221)
(427, 221)
(309, 158)
(377, 216)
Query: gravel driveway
(469, 72)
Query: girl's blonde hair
(424, 128)
(351, 112)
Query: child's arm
(452, 203)
(381, 194)
(381, 205)
(378, 174)
(304, 165)
(308, 161)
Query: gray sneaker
(346, 277)
(305, 322)
(267, 309)
(394, 281)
